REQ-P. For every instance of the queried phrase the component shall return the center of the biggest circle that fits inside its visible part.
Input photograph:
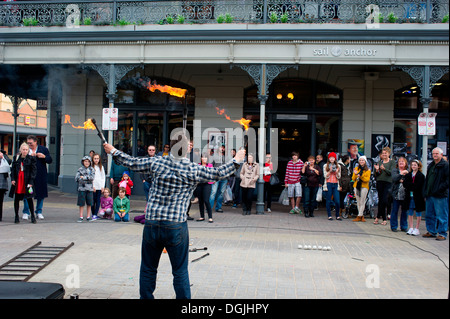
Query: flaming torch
(90, 124)
(99, 133)
(244, 122)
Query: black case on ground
(30, 290)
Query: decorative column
(425, 77)
(263, 75)
(16, 101)
(112, 74)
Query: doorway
(292, 136)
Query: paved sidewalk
(251, 257)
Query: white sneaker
(25, 216)
(40, 216)
(416, 232)
(409, 232)
(269, 210)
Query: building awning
(8, 129)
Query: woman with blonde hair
(414, 182)
(361, 178)
(23, 173)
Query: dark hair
(344, 158)
(32, 137)
(294, 153)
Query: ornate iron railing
(107, 12)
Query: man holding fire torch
(175, 179)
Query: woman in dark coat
(344, 182)
(413, 183)
(23, 173)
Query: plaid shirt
(174, 181)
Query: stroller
(351, 208)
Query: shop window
(405, 136)
(328, 96)
(408, 98)
(293, 94)
(289, 94)
(327, 133)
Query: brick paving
(251, 257)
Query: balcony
(138, 12)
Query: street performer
(175, 179)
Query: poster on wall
(379, 141)
(399, 149)
(216, 140)
(355, 148)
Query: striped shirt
(293, 171)
(174, 181)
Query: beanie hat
(332, 154)
(364, 158)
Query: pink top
(208, 165)
(106, 202)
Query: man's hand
(108, 148)
(240, 155)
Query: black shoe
(33, 219)
(219, 210)
(16, 220)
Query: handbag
(400, 193)
(4, 166)
(274, 180)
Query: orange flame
(88, 125)
(167, 89)
(244, 122)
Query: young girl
(99, 183)
(126, 183)
(106, 203)
(332, 174)
(413, 183)
(23, 173)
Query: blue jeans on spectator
(437, 216)
(310, 197)
(217, 190)
(97, 197)
(174, 236)
(146, 189)
(38, 209)
(332, 191)
(396, 204)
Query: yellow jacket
(365, 178)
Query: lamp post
(15, 102)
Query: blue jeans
(38, 209)
(437, 215)
(146, 189)
(332, 191)
(174, 236)
(126, 218)
(404, 205)
(310, 198)
(217, 190)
